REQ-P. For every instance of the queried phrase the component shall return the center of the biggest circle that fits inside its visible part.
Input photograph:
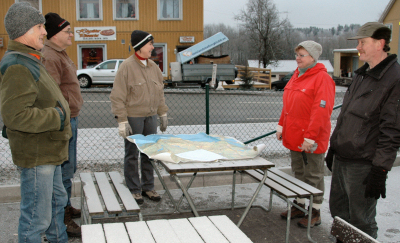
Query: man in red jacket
(304, 126)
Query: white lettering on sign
(186, 39)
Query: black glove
(329, 158)
(375, 182)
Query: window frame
(159, 10)
(40, 4)
(390, 26)
(165, 57)
(100, 18)
(114, 2)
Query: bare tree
(264, 30)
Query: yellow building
(391, 18)
(102, 28)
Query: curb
(12, 193)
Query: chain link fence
(243, 115)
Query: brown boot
(315, 219)
(295, 212)
(73, 230)
(74, 212)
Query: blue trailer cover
(201, 47)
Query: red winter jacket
(307, 107)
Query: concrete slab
(259, 225)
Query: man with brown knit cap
(63, 70)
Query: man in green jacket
(37, 118)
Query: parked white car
(102, 73)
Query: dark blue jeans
(68, 168)
(347, 196)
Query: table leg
(188, 198)
(163, 183)
(233, 190)
(187, 189)
(253, 198)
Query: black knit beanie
(139, 39)
(54, 24)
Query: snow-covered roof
(350, 50)
(284, 66)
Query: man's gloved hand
(124, 129)
(163, 123)
(375, 182)
(329, 158)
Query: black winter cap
(139, 39)
(54, 24)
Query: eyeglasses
(68, 32)
(301, 56)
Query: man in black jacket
(365, 141)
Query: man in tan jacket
(63, 70)
(137, 98)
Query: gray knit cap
(20, 18)
(313, 48)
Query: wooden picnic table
(175, 169)
(211, 229)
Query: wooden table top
(222, 165)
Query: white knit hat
(313, 48)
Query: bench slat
(185, 231)
(229, 229)
(92, 198)
(162, 231)
(139, 232)
(93, 233)
(289, 185)
(107, 193)
(124, 193)
(116, 233)
(271, 184)
(305, 186)
(207, 230)
(349, 233)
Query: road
(190, 109)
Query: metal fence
(243, 115)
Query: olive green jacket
(31, 104)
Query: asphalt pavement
(259, 225)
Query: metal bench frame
(285, 187)
(104, 196)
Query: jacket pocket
(62, 135)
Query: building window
(89, 55)
(159, 56)
(89, 9)
(170, 9)
(35, 3)
(125, 9)
(390, 26)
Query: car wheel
(84, 81)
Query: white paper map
(194, 147)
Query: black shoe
(138, 198)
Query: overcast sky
(302, 13)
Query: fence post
(207, 109)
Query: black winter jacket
(368, 127)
